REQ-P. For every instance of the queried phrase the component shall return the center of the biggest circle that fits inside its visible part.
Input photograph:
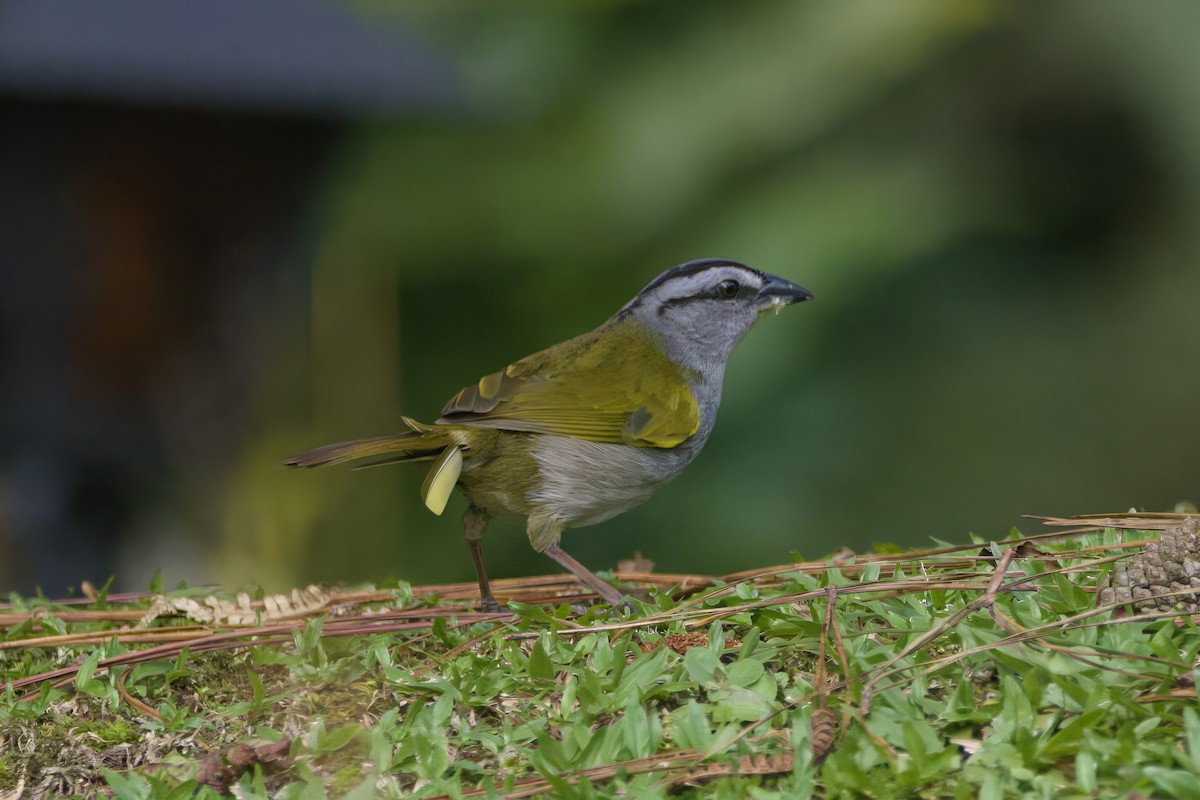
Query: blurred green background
(995, 205)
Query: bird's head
(702, 309)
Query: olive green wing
(611, 385)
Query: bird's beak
(777, 293)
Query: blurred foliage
(994, 204)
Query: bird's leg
(475, 522)
(611, 595)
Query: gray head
(703, 308)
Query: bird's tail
(422, 443)
(433, 443)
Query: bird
(588, 428)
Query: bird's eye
(728, 288)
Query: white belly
(582, 482)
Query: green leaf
(701, 664)
(1176, 783)
(636, 730)
(332, 741)
(531, 613)
(744, 673)
(257, 694)
(365, 790)
(131, 787)
(750, 642)
(1191, 729)
(1146, 726)
(539, 665)
(84, 682)
(1085, 771)
(638, 677)
(691, 726)
(87, 668)
(184, 791)
(737, 704)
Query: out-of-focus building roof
(291, 56)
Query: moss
(345, 779)
(103, 732)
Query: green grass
(936, 677)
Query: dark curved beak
(777, 292)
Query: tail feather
(422, 444)
(399, 445)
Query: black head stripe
(684, 270)
(692, 267)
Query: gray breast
(582, 483)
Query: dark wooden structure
(160, 170)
